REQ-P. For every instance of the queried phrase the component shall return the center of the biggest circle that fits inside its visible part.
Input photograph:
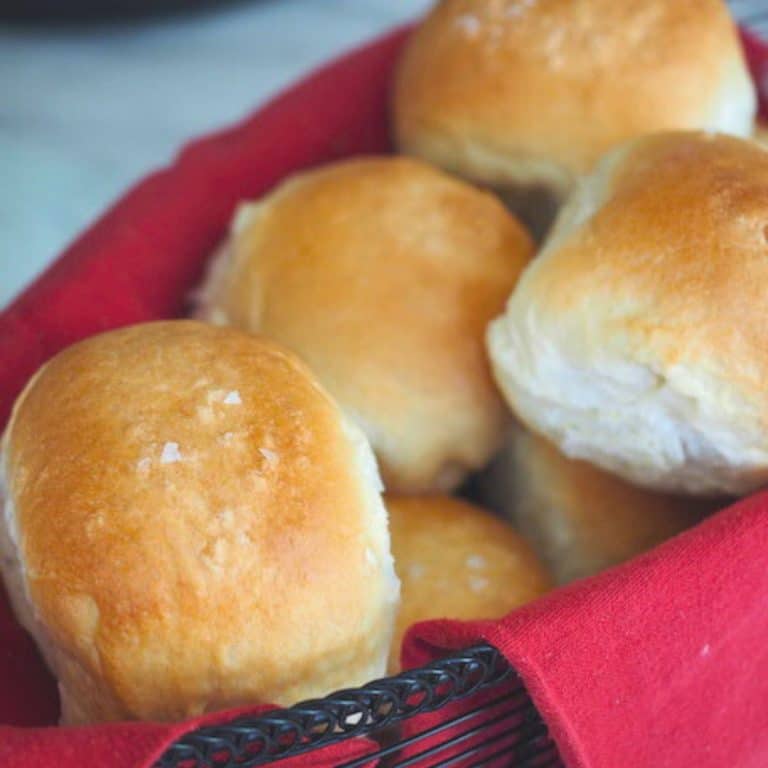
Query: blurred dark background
(74, 11)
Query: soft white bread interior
(532, 92)
(638, 338)
(382, 274)
(190, 523)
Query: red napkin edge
(142, 744)
(720, 562)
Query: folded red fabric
(658, 663)
(756, 52)
(137, 744)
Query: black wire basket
(487, 719)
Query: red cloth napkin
(130, 745)
(658, 663)
(756, 51)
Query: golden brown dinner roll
(382, 274)
(456, 560)
(638, 339)
(192, 524)
(579, 519)
(532, 92)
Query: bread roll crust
(519, 92)
(456, 560)
(637, 338)
(196, 526)
(579, 519)
(382, 274)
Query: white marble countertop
(87, 110)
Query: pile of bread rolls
(193, 510)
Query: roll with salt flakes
(190, 524)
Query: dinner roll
(382, 274)
(191, 524)
(579, 519)
(456, 560)
(638, 339)
(532, 92)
